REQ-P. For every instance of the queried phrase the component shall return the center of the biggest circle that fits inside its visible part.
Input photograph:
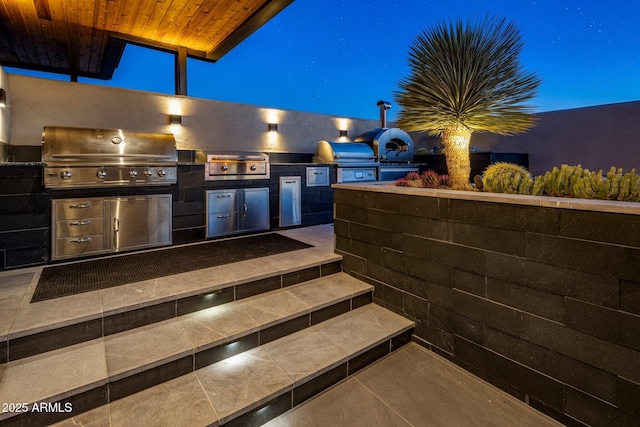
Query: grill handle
(109, 156)
(81, 240)
(81, 206)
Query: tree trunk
(456, 150)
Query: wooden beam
(181, 71)
(257, 20)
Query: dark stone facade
(25, 217)
(542, 302)
(25, 206)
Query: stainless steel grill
(85, 158)
(354, 162)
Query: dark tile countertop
(20, 164)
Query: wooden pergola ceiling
(87, 37)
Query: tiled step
(48, 325)
(108, 368)
(256, 385)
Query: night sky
(341, 57)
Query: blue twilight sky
(341, 57)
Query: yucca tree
(465, 78)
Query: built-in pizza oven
(390, 145)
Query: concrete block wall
(543, 302)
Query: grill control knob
(102, 174)
(133, 173)
(253, 167)
(65, 174)
(147, 173)
(161, 172)
(224, 167)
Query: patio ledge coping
(630, 208)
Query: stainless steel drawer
(82, 245)
(222, 201)
(79, 227)
(221, 223)
(79, 209)
(318, 177)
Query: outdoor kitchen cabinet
(93, 226)
(237, 211)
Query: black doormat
(70, 279)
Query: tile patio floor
(410, 387)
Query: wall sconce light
(175, 120)
(272, 127)
(3, 98)
(343, 133)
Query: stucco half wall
(206, 124)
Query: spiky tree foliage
(465, 78)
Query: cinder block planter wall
(542, 301)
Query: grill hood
(68, 146)
(344, 154)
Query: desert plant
(428, 179)
(614, 186)
(559, 182)
(412, 176)
(466, 78)
(431, 179)
(507, 178)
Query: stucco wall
(596, 137)
(205, 123)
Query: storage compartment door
(140, 221)
(255, 209)
(222, 223)
(290, 201)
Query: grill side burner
(234, 165)
(91, 158)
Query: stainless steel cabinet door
(255, 209)
(140, 221)
(290, 201)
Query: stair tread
(24, 318)
(248, 380)
(127, 353)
